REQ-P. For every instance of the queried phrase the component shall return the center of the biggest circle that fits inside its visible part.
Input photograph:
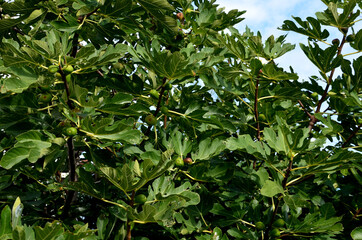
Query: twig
(351, 136)
(284, 185)
(311, 117)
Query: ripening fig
(335, 42)
(188, 160)
(151, 120)
(180, 16)
(45, 98)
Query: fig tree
(140, 199)
(151, 120)
(70, 131)
(179, 162)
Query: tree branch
(351, 136)
(158, 104)
(314, 120)
(256, 107)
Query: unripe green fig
(275, 232)
(335, 42)
(189, 10)
(262, 117)
(164, 110)
(68, 78)
(140, 199)
(179, 162)
(45, 88)
(279, 223)
(68, 69)
(259, 225)
(53, 69)
(117, 146)
(154, 93)
(350, 38)
(119, 66)
(58, 75)
(151, 120)
(188, 160)
(168, 86)
(70, 131)
(314, 95)
(45, 98)
(331, 93)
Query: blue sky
(267, 15)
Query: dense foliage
(157, 119)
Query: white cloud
(267, 15)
